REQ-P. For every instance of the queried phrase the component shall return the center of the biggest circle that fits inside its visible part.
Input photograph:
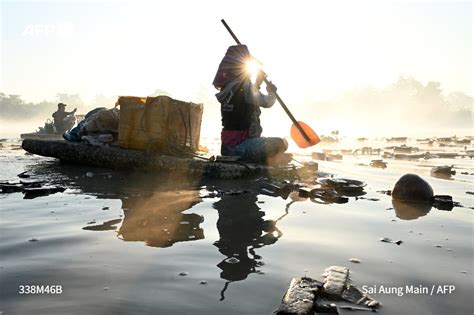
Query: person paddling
(240, 101)
(60, 122)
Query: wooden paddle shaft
(276, 94)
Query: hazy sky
(310, 49)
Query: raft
(122, 159)
(41, 136)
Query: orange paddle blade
(298, 137)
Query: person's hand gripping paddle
(301, 133)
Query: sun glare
(252, 68)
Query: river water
(137, 243)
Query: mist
(406, 107)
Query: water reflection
(159, 221)
(410, 210)
(242, 229)
(154, 207)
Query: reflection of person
(242, 229)
(240, 109)
(60, 122)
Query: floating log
(307, 296)
(116, 158)
(300, 297)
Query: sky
(310, 49)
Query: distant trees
(13, 107)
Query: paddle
(301, 133)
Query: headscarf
(232, 66)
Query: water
(132, 243)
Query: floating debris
(318, 156)
(8, 188)
(106, 226)
(369, 199)
(31, 193)
(89, 174)
(203, 282)
(378, 164)
(34, 239)
(438, 246)
(405, 149)
(347, 187)
(327, 195)
(276, 190)
(355, 260)
(389, 240)
(105, 208)
(23, 175)
(443, 202)
(444, 171)
(304, 193)
(300, 296)
(232, 260)
(183, 273)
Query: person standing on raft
(240, 110)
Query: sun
(252, 67)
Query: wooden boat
(117, 158)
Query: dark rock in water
(409, 210)
(411, 187)
(31, 193)
(442, 202)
